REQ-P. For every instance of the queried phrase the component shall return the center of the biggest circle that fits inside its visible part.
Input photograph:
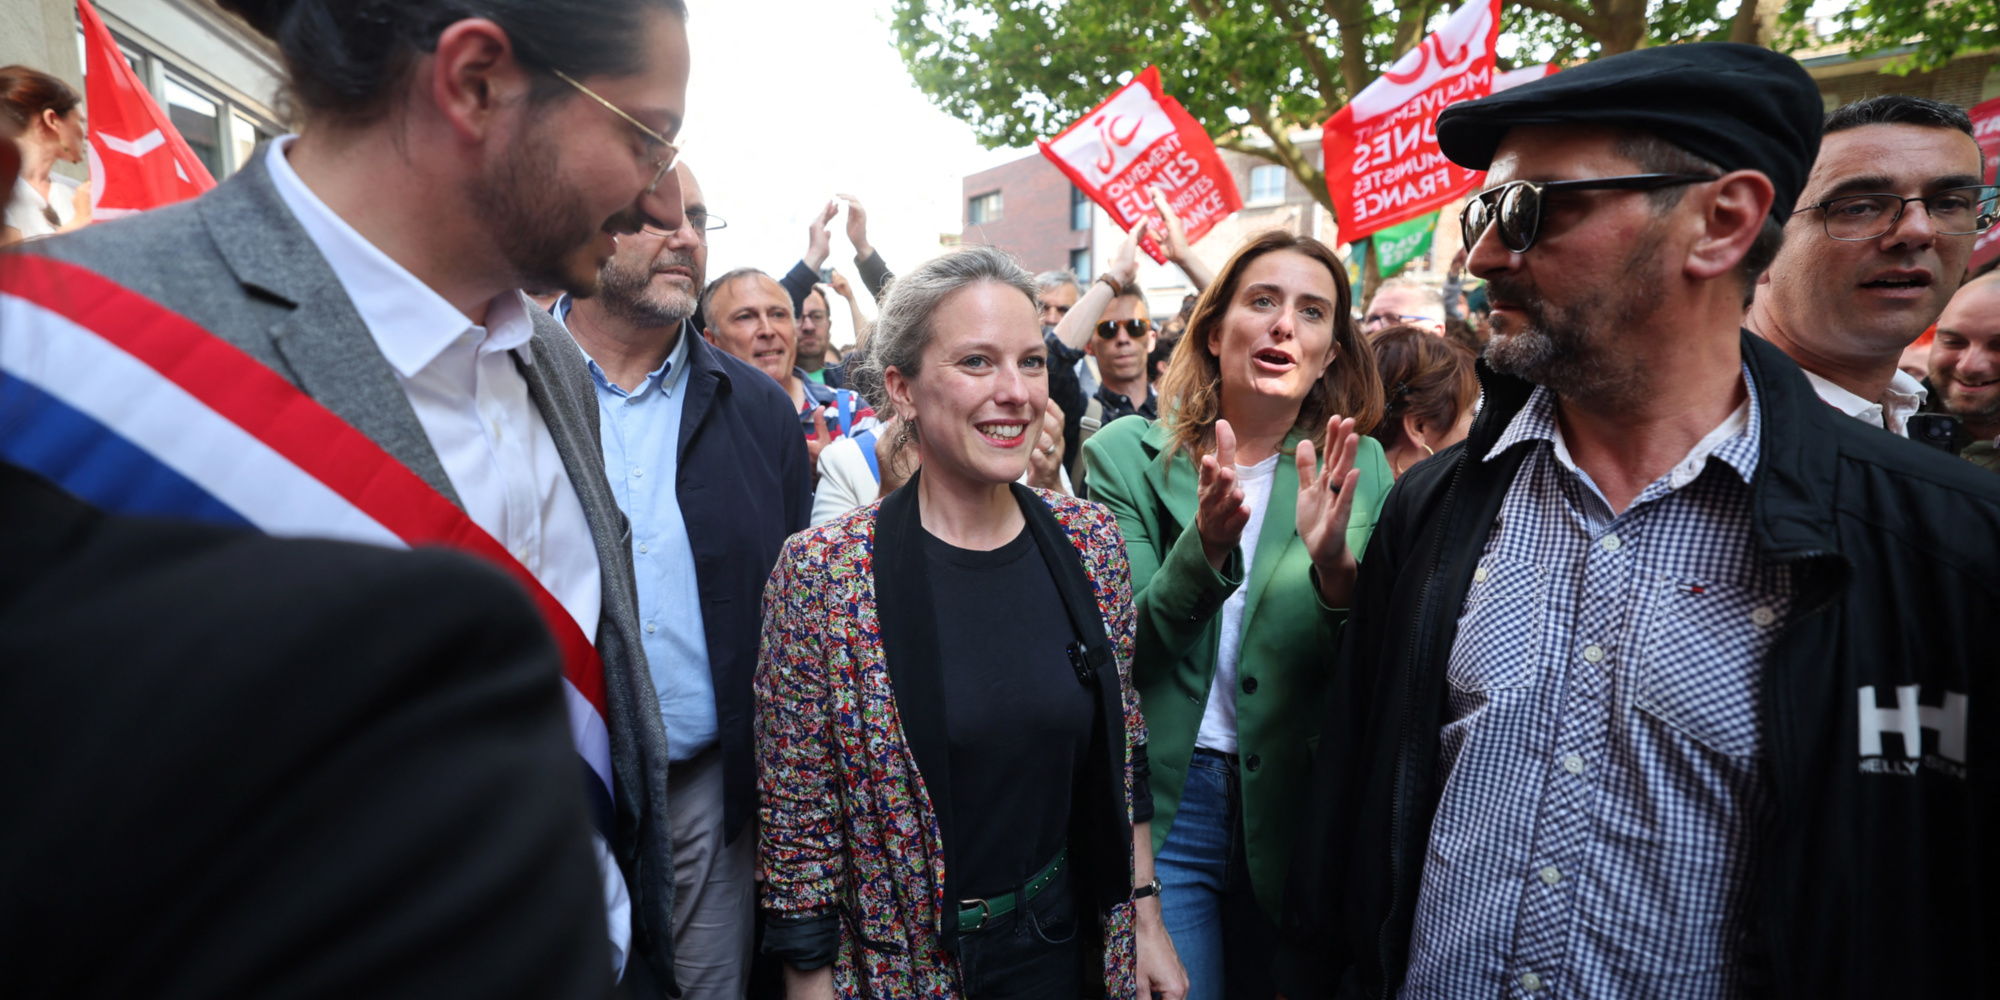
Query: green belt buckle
(1000, 906)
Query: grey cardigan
(239, 264)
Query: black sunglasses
(1517, 206)
(1136, 327)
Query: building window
(199, 119)
(1079, 208)
(1267, 184)
(984, 209)
(1079, 263)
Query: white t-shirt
(1218, 721)
(25, 208)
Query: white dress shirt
(1904, 396)
(473, 404)
(28, 211)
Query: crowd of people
(1506, 638)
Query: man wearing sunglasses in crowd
(1874, 249)
(1659, 685)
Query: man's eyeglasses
(1517, 207)
(702, 222)
(1376, 320)
(654, 140)
(1860, 217)
(1138, 328)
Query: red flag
(1986, 131)
(1140, 139)
(1383, 165)
(138, 160)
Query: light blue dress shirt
(642, 433)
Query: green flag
(1400, 244)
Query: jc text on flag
(1138, 140)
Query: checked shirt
(1600, 759)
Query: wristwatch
(1117, 287)
(1149, 889)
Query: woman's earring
(1426, 447)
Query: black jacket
(744, 486)
(234, 766)
(1877, 876)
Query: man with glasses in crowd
(705, 459)
(1659, 685)
(376, 261)
(1875, 247)
(1402, 302)
(749, 314)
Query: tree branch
(1315, 57)
(1590, 23)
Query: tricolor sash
(137, 410)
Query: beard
(1567, 347)
(541, 225)
(628, 293)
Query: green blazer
(1288, 633)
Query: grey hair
(1431, 296)
(708, 294)
(904, 330)
(1050, 280)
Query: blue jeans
(1225, 941)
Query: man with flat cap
(1665, 683)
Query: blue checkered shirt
(1602, 752)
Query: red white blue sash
(137, 410)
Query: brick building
(1030, 209)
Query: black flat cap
(1740, 107)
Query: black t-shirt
(1017, 718)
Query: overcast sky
(790, 102)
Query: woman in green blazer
(1243, 552)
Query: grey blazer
(238, 263)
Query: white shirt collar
(1904, 396)
(411, 323)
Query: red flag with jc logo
(138, 160)
(1383, 165)
(1138, 140)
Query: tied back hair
(1193, 383)
(905, 327)
(347, 60)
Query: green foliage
(1018, 70)
(1933, 31)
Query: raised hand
(819, 243)
(1125, 263)
(821, 436)
(1326, 500)
(1045, 454)
(1175, 241)
(1222, 512)
(857, 226)
(838, 282)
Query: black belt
(975, 914)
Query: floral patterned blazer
(847, 826)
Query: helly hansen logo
(1908, 719)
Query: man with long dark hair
(452, 154)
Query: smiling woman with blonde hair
(1237, 610)
(950, 752)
